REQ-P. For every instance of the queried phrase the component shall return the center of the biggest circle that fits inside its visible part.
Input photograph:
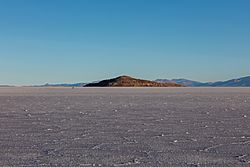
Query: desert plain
(124, 127)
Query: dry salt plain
(124, 127)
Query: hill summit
(127, 81)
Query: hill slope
(126, 81)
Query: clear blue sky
(84, 40)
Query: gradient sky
(59, 41)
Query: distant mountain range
(63, 85)
(185, 82)
(6, 86)
(127, 81)
(240, 82)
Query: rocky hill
(126, 81)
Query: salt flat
(113, 127)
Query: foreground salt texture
(113, 127)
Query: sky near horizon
(64, 41)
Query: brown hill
(126, 81)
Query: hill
(126, 81)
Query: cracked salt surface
(125, 127)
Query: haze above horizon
(63, 41)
